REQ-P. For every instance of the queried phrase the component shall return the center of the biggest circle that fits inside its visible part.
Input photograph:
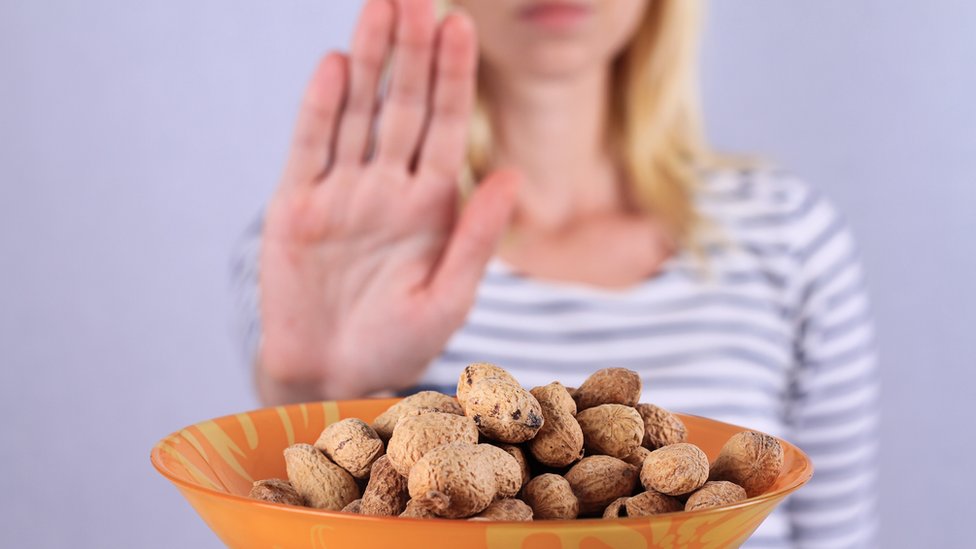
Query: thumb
(474, 239)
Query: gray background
(138, 138)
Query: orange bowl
(213, 464)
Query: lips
(555, 15)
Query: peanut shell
(508, 509)
(616, 508)
(551, 497)
(415, 435)
(416, 509)
(322, 484)
(560, 440)
(352, 445)
(598, 480)
(276, 490)
(503, 411)
(386, 494)
(518, 453)
(609, 386)
(476, 372)
(675, 469)
(556, 396)
(715, 493)
(508, 472)
(455, 480)
(611, 429)
(637, 458)
(643, 504)
(650, 503)
(750, 459)
(661, 427)
(385, 422)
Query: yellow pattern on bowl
(213, 464)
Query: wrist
(297, 377)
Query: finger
(474, 239)
(370, 46)
(315, 128)
(443, 149)
(405, 108)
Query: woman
(600, 233)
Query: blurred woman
(541, 197)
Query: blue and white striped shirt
(773, 332)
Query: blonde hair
(655, 123)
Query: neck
(555, 132)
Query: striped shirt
(772, 331)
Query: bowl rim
(805, 475)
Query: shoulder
(756, 196)
(769, 207)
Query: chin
(552, 61)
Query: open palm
(367, 267)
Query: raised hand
(367, 266)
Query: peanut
(661, 427)
(551, 497)
(415, 435)
(611, 429)
(385, 422)
(276, 490)
(416, 509)
(675, 469)
(508, 472)
(637, 458)
(455, 480)
(352, 445)
(616, 508)
(651, 503)
(609, 386)
(476, 372)
(386, 494)
(508, 509)
(642, 505)
(516, 452)
(557, 396)
(715, 493)
(503, 411)
(321, 483)
(434, 466)
(598, 480)
(560, 440)
(750, 459)
(355, 506)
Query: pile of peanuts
(499, 452)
